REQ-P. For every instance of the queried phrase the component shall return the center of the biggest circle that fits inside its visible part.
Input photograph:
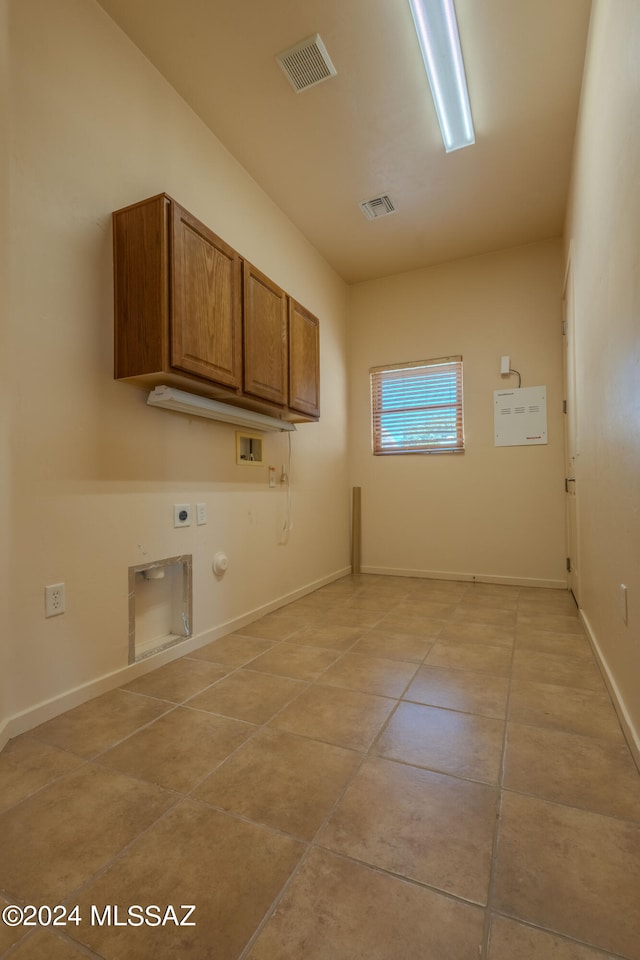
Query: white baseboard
(46, 710)
(4, 733)
(466, 577)
(632, 735)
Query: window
(417, 407)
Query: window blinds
(417, 407)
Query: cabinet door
(205, 301)
(265, 337)
(304, 360)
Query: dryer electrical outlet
(182, 514)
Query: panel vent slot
(306, 63)
(377, 207)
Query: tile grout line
(496, 835)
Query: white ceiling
(372, 129)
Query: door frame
(571, 437)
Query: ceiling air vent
(306, 64)
(377, 207)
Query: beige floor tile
(234, 650)
(230, 870)
(432, 609)
(395, 646)
(373, 603)
(478, 611)
(9, 935)
(158, 753)
(56, 840)
(275, 626)
(338, 638)
(360, 913)
(27, 765)
(481, 589)
(460, 690)
(339, 589)
(443, 740)
(399, 587)
(510, 940)
(463, 631)
(541, 594)
(284, 781)
(426, 627)
(403, 842)
(98, 724)
(343, 616)
(554, 622)
(581, 771)
(295, 660)
(421, 825)
(377, 675)
(558, 602)
(248, 695)
(344, 717)
(179, 680)
(570, 871)
(45, 945)
(444, 591)
(477, 657)
(564, 708)
(498, 601)
(545, 641)
(557, 669)
(311, 606)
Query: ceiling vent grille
(306, 64)
(377, 207)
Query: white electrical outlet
(201, 513)
(54, 600)
(182, 514)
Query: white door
(572, 479)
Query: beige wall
(95, 472)
(491, 512)
(603, 233)
(4, 391)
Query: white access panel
(520, 416)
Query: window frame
(393, 375)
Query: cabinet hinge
(564, 406)
(568, 564)
(563, 326)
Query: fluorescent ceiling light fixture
(437, 29)
(195, 406)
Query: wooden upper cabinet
(190, 313)
(205, 302)
(178, 297)
(265, 337)
(304, 360)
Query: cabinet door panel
(265, 337)
(304, 360)
(205, 297)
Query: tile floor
(387, 769)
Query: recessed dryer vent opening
(160, 605)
